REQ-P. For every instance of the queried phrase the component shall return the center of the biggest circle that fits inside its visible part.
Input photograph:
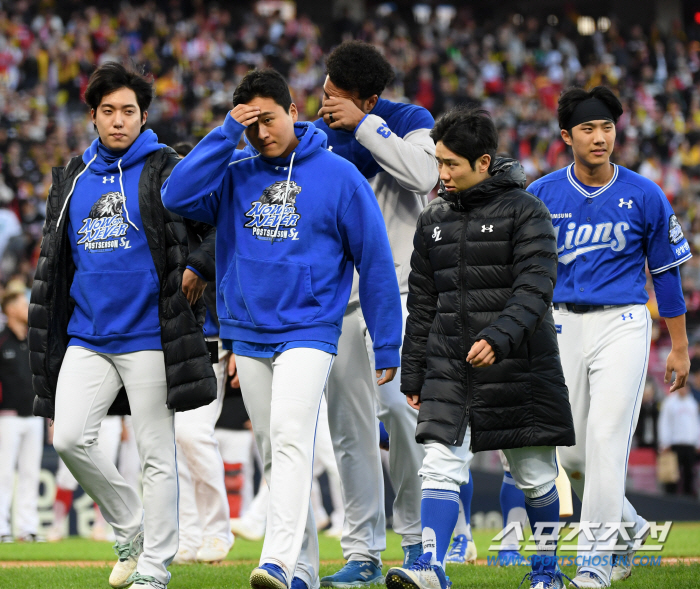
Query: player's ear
(484, 163)
(293, 112)
(370, 103)
(565, 136)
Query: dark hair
(7, 298)
(110, 77)
(266, 83)
(356, 66)
(468, 132)
(183, 148)
(572, 97)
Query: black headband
(591, 109)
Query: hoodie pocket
(271, 293)
(115, 302)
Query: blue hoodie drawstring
(65, 204)
(121, 185)
(284, 202)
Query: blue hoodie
(115, 287)
(288, 232)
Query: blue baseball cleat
(355, 573)
(462, 551)
(297, 583)
(507, 558)
(411, 554)
(268, 576)
(420, 575)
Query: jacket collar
(506, 174)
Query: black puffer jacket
(190, 376)
(484, 267)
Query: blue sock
(544, 509)
(513, 509)
(438, 512)
(466, 492)
(511, 497)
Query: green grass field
(683, 541)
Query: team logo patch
(557, 327)
(270, 211)
(675, 231)
(104, 229)
(436, 234)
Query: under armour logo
(624, 316)
(436, 234)
(484, 228)
(106, 179)
(628, 203)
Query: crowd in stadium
(515, 68)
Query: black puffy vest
(189, 374)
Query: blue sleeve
(367, 243)
(669, 292)
(191, 269)
(194, 187)
(665, 245)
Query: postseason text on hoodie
(116, 287)
(288, 232)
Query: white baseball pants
(447, 467)
(203, 508)
(87, 386)
(21, 447)
(282, 395)
(325, 462)
(354, 404)
(109, 438)
(605, 355)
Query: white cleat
(587, 580)
(185, 556)
(334, 532)
(213, 550)
(470, 557)
(240, 527)
(622, 563)
(128, 559)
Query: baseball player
(110, 329)
(21, 434)
(205, 534)
(390, 144)
(609, 223)
(293, 221)
(480, 358)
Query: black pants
(686, 462)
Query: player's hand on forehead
(340, 113)
(245, 114)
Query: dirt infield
(8, 564)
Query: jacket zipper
(465, 330)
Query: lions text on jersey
(605, 234)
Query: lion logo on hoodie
(274, 217)
(105, 225)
